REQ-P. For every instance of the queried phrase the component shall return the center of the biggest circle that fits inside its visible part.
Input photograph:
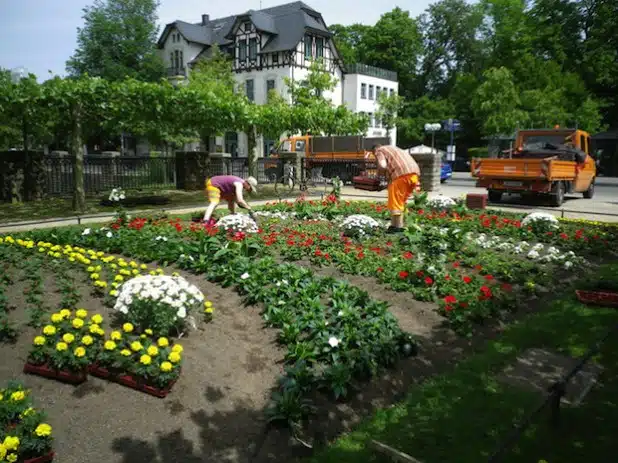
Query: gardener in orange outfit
(403, 176)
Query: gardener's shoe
(392, 229)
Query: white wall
(190, 50)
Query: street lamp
(433, 128)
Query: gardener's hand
(252, 215)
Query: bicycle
(288, 182)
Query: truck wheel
(557, 194)
(589, 193)
(494, 196)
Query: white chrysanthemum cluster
(540, 220)
(276, 215)
(117, 194)
(441, 202)
(359, 225)
(238, 223)
(176, 292)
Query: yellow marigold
(87, 340)
(94, 276)
(81, 313)
(143, 267)
(209, 310)
(43, 430)
(133, 264)
(66, 313)
(101, 283)
(79, 352)
(148, 331)
(100, 253)
(78, 323)
(113, 266)
(177, 348)
(90, 269)
(56, 318)
(94, 329)
(174, 357)
(109, 345)
(125, 352)
(166, 366)
(127, 328)
(68, 338)
(115, 335)
(39, 341)
(163, 342)
(119, 278)
(136, 346)
(207, 304)
(145, 359)
(61, 346)
(115, 284)
(18, 396)
(11, 442)
(11, 457)
(175, 274)
(152, 350)
(122, 263)
(97, 319)
(113, 293)
(49, 330)
(135, 272)
(152, 272)
(27, 412)
(160, 271)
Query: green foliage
(389, 108)
(118, 41)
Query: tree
(417, 113)
(349, 41)
(497, 103)
(389, 108)
(118, 41)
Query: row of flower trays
(24, 434)
(74, 344)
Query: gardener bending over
(230, 188)
(403, 178)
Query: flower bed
(600, 298)
(24, 434)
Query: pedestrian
(229, 188)
(403, 174)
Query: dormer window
(319, 47)
(246, 27)
(242, 51)
(308, 46)
(252, 49)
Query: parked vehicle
(446, 171)
(544, 162)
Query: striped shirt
(398, 162)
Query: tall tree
(350, 41)
(118, 41)
(389, 109)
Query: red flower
(379, 270)
(408, 255)
(389, 243)
(420, 273)
(507, 287)
(450, 299)
(489, 277)
(456, 264)
(448, 308)
(463, 305)
(403, 274)
(327, 256)
(478, 267)
(318, 252)
(467, 280)
(564, 236)
(428, 281)
(447, 277)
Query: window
(371, 92)
(319, 47)
(378, 90)
(582, 143)
(392, 91)
(371, 120)
(275, 58)
(249, 90)
(308, 46)
(252, 49)
(242, 51)
(176, 59)
(364, 91)
(172, 59)
(182, 60)
(270, 85)
(247, 27)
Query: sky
(40, 35)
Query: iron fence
(104, 173)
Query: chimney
(205, 19)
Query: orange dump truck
(342, 156)
(548, 162)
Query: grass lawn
(461, 417)
(62, 207)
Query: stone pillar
(430, 165)
(191, 170)
(296, 159)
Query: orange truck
(340, 156)
(543, 162)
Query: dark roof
(285, 23)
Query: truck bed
(549, 169)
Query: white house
(268, 46)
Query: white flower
(109, 234)
(333, 341)
(533, 254)
(539, 218)
(359, 225)
(86, 232)
(441, 202)
(238, 223)
(568, 264)
(244, 276)
(162, 238)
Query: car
(446, 171)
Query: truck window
(300, 146)
(582, 143)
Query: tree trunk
(77, 150)
(252, 151)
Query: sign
(450, 152)
(451, 125)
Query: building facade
(266, 48)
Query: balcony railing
(372, 71)
(176, 72)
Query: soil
(215, 412)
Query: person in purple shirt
(229, 188)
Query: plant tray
(598, 298)
(59, 375)
(42, 459)
(130, 381)
(476, 201)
